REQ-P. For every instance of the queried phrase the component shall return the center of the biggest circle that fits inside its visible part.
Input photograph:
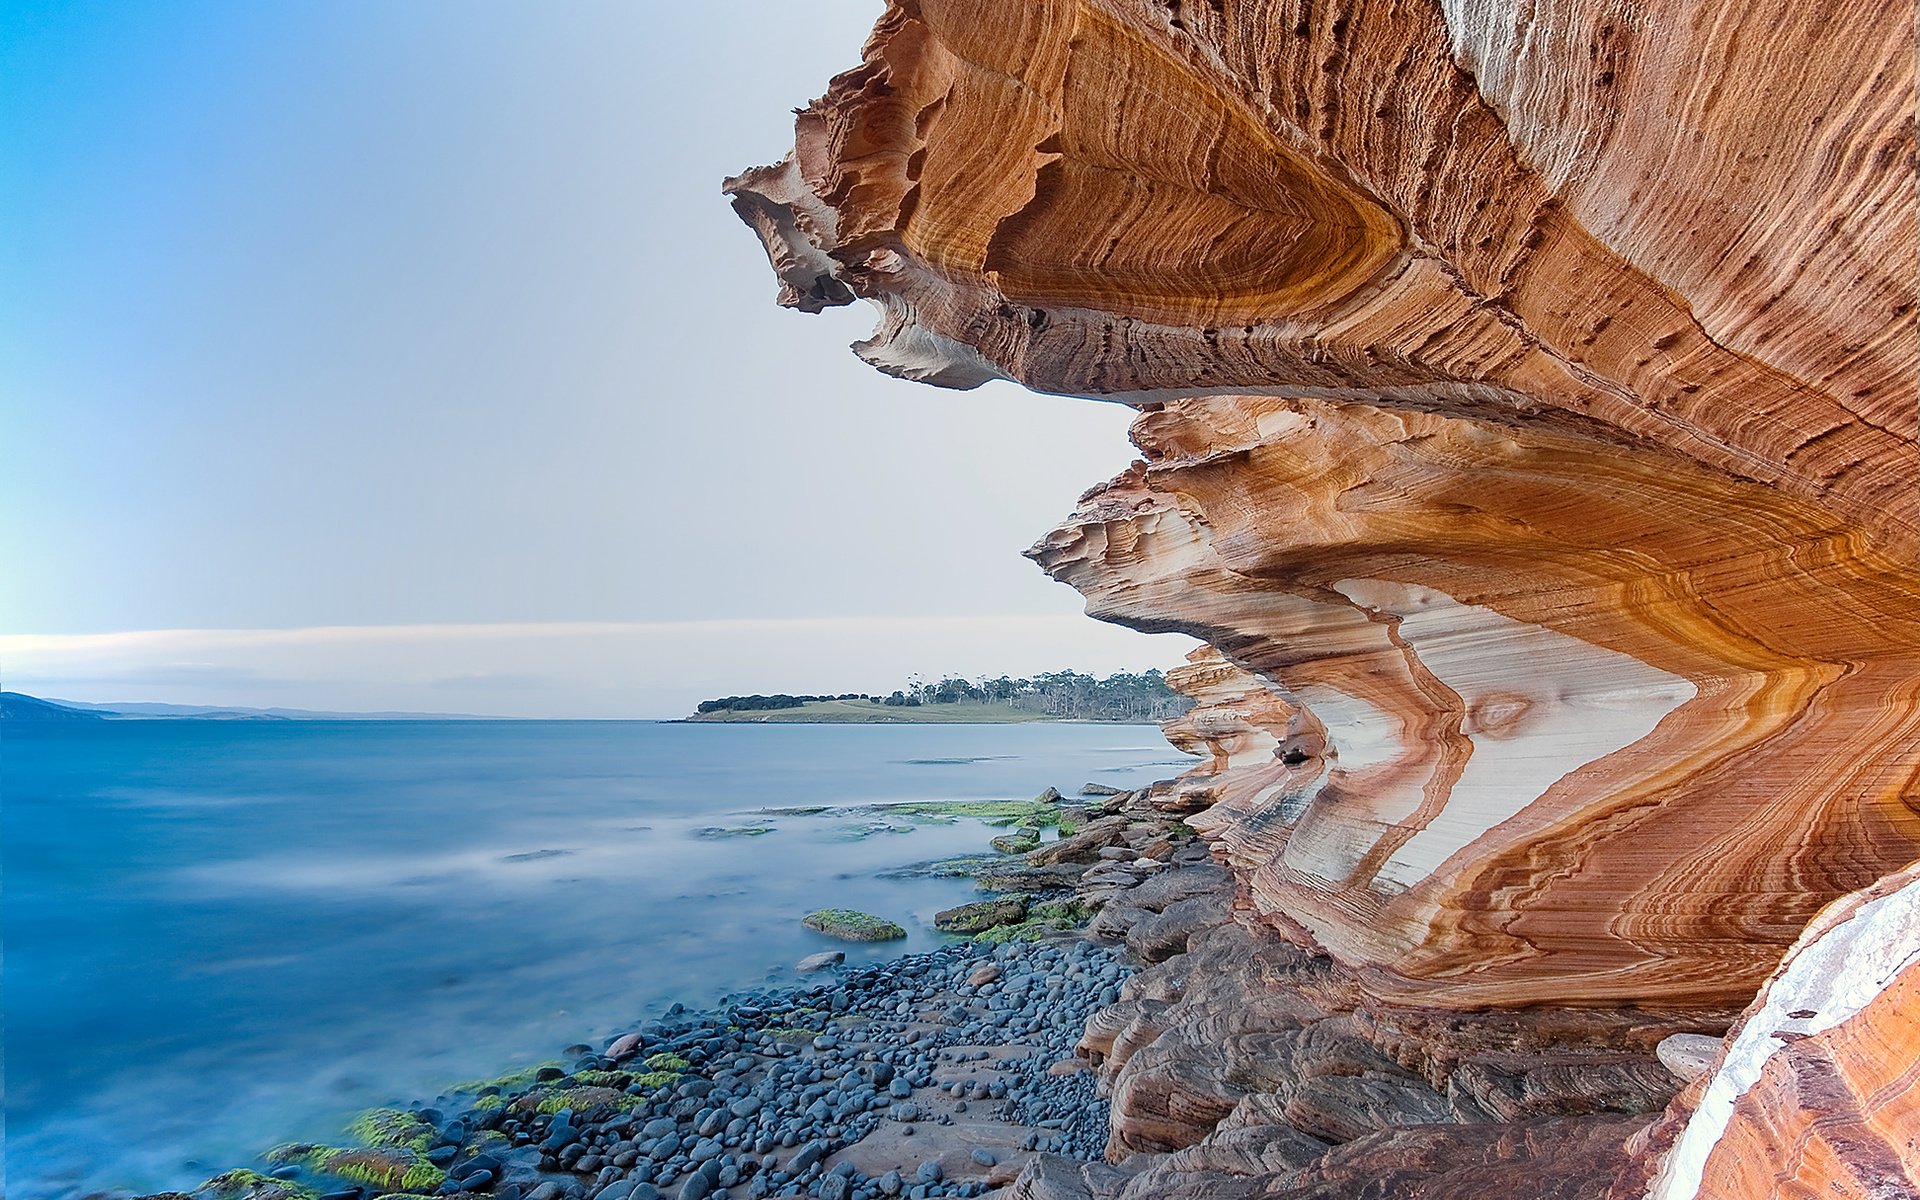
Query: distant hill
(873, 712)
(1056, 696)
(19, 706)
(147, 712)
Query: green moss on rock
(391, 1127)
(1074, 912)
(792, 1034)
(1031, 930)
(243, 1184)
(550, 1100)
(982, 915)
(1039, 812)
(851, 925)
(1018, 842)
(385, 1168)
(665, 1061)
(966, 866)
(510, 1081)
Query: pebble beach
(932, 1074)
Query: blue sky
(375, 316)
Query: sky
(364, 355)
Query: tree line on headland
(1069, 695)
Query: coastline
(962, 1057)
(764, 719)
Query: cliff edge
(1528, 425)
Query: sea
(220, 935)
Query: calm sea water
(223, 935)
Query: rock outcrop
(1816, 1090)
(1528, 425)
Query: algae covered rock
(851, 925)
(1020, 841)
(982, 915)
(385, 1168)
(250, 1185)
(1031, 922)
(392, 1128)
(583, 1095)
(1073, 911)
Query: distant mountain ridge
(18, 706)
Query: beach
(940, 1073)
(227, 935)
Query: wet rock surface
(1171, 1046)
(939, 1074)
(1237, 1064)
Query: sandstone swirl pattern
(1528, 423)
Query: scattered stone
(626, 1046)
(1688, 1055)
(815, 1089)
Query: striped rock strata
(1816, 1091)
(1528, 425)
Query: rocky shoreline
(939, 1074)
(1125, 1032)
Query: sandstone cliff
(1528, 423)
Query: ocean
(222, 935)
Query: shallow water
(220, 935)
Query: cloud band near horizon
(559, 669)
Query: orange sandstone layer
(1816, 1090)
(1557, 723)
(1528, 424)
(1683, 227)
(1530, 405)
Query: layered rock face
(1817, 1088)
(1528, 426)
(1559, 724)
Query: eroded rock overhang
(1528, 423)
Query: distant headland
(18, 706)
(1055, 696)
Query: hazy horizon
(559, 670)
(355, 317)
